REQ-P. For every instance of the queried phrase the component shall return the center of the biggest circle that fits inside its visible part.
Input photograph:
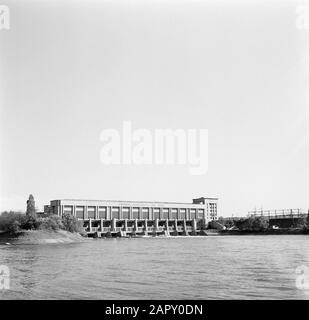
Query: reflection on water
(223, 267)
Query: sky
(70, 69)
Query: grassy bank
(40, 237)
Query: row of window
(137, 213)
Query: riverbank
(287, 231)
(41, 237)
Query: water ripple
(230, 267)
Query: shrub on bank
(252, 224)
(31, 223)
(303, 223)
(14, 222)
(71, 224)
(52, 222)
(228, 223)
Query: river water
(217, 267)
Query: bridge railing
(273, 214)
(279, 214)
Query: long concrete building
(125, 218)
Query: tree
(260, 224)
(71, 224)
(252, 224)
(53, 222)
(227, 222)
(14, 227)
(31, 223)
(31, 206)
(12, 221)
(303, 222)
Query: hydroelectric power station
(107, 218)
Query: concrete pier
(132, 228)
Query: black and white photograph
(154, 150)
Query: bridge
(283, 218)
(279, 214)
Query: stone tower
(31, 206)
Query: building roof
(133, 202)
(206, 198)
